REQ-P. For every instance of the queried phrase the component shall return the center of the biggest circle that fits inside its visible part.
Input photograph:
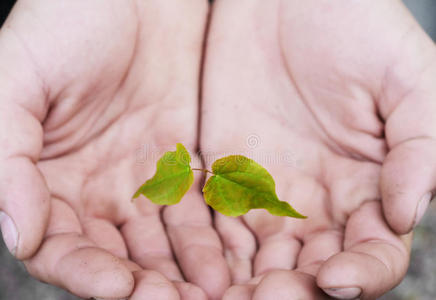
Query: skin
(336, 99)
(75, 116)
(90, 90)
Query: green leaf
(240, 184)
(172, 180)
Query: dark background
(5, 6)
(419, 284)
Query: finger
(279, 251)
(318, 247)
(106, 236)
(131, 266)
(288, 285)
(197, 245)
(281, 239)
(24, 199)
(240, 292)
(407, 182)
(153, 285)
(243, 291)
(188, 291)
(72, 261)
(148, 245)
(408, 106)
(374, 260)
(239, 247)
(63, 219)
(65, 249)
(24, 203)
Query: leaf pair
(237, 185)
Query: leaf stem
(202, 170)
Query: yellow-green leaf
(172, 180)
(240, 184)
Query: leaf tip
(181, 147)
(297, 215)
(135, 196)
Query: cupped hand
(337, 100)
(92, 93)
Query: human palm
(317, 93)
(113, 84)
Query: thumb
(24, 196)
(408, 177)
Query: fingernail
(344, 293)
(9, 232)
(422, 207)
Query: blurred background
(420, 283)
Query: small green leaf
(240, 184)
(172, 180)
